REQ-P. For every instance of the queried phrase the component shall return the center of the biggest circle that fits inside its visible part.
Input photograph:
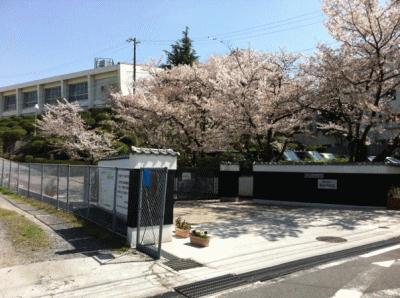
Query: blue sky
(46, 37)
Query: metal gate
(151, 207)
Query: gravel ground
(9, 256)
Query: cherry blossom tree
(73, 136)
(245, 100)
(260, 95)
(173, 108)
(353, 85)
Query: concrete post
(40, 96)
(64, 89)
(91, 91)
(18, 100)
(1, 104)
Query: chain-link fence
(98, 194)
(196, 184)
(151, 207)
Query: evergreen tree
(182, 51)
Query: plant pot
(199, 241)
(181, 233)
(393, 203)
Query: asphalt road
(376, 274)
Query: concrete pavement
(247, 237)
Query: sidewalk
(85, 277)
(78, 268)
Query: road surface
(375, 274)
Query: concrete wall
(363, 185)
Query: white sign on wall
(186, 176)
(313, 175)
(106, 190)
(327, 184)
(123, 192)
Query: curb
(229, 281)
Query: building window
(29, 99)
(51, 95)
(78, 91)
(10, 102)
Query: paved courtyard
(248, 236)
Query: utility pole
(135, 42)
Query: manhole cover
(331, 239)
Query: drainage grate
(210, 286)
(168, 256)
(331, 239)
(103, 258)
(225, 282)
(182, 264)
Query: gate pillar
(228, 182)
(147, 158)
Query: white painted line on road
(333, 264)
(359, 284)
(383, 293)
(385, 264)
(344, 293)
(380, 251)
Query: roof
(139, 150)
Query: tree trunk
(361, 151)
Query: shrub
(200, 233)
(182, 224)
(394, 192)
(28, 158)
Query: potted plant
(393, 200)
(182, 228)
(199, 238)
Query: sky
(43, 38)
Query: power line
(268, 26)
(252, 29)
(72, 62)
(236, 35)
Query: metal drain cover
(182, 264)
(331, 239)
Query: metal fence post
(58, 186)
(41, 182)
(17, 178)
(68, 174)
(88, 191)
(2, 171)
(114, 220)
(139, 208)
(9, 176)
(29, 179)
(164, 194)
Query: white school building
(88, 87)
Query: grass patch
(70, 218)
(25, 234)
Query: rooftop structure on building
(90, 88)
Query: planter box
(199, 241)
(393, 203)
(181, 233)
